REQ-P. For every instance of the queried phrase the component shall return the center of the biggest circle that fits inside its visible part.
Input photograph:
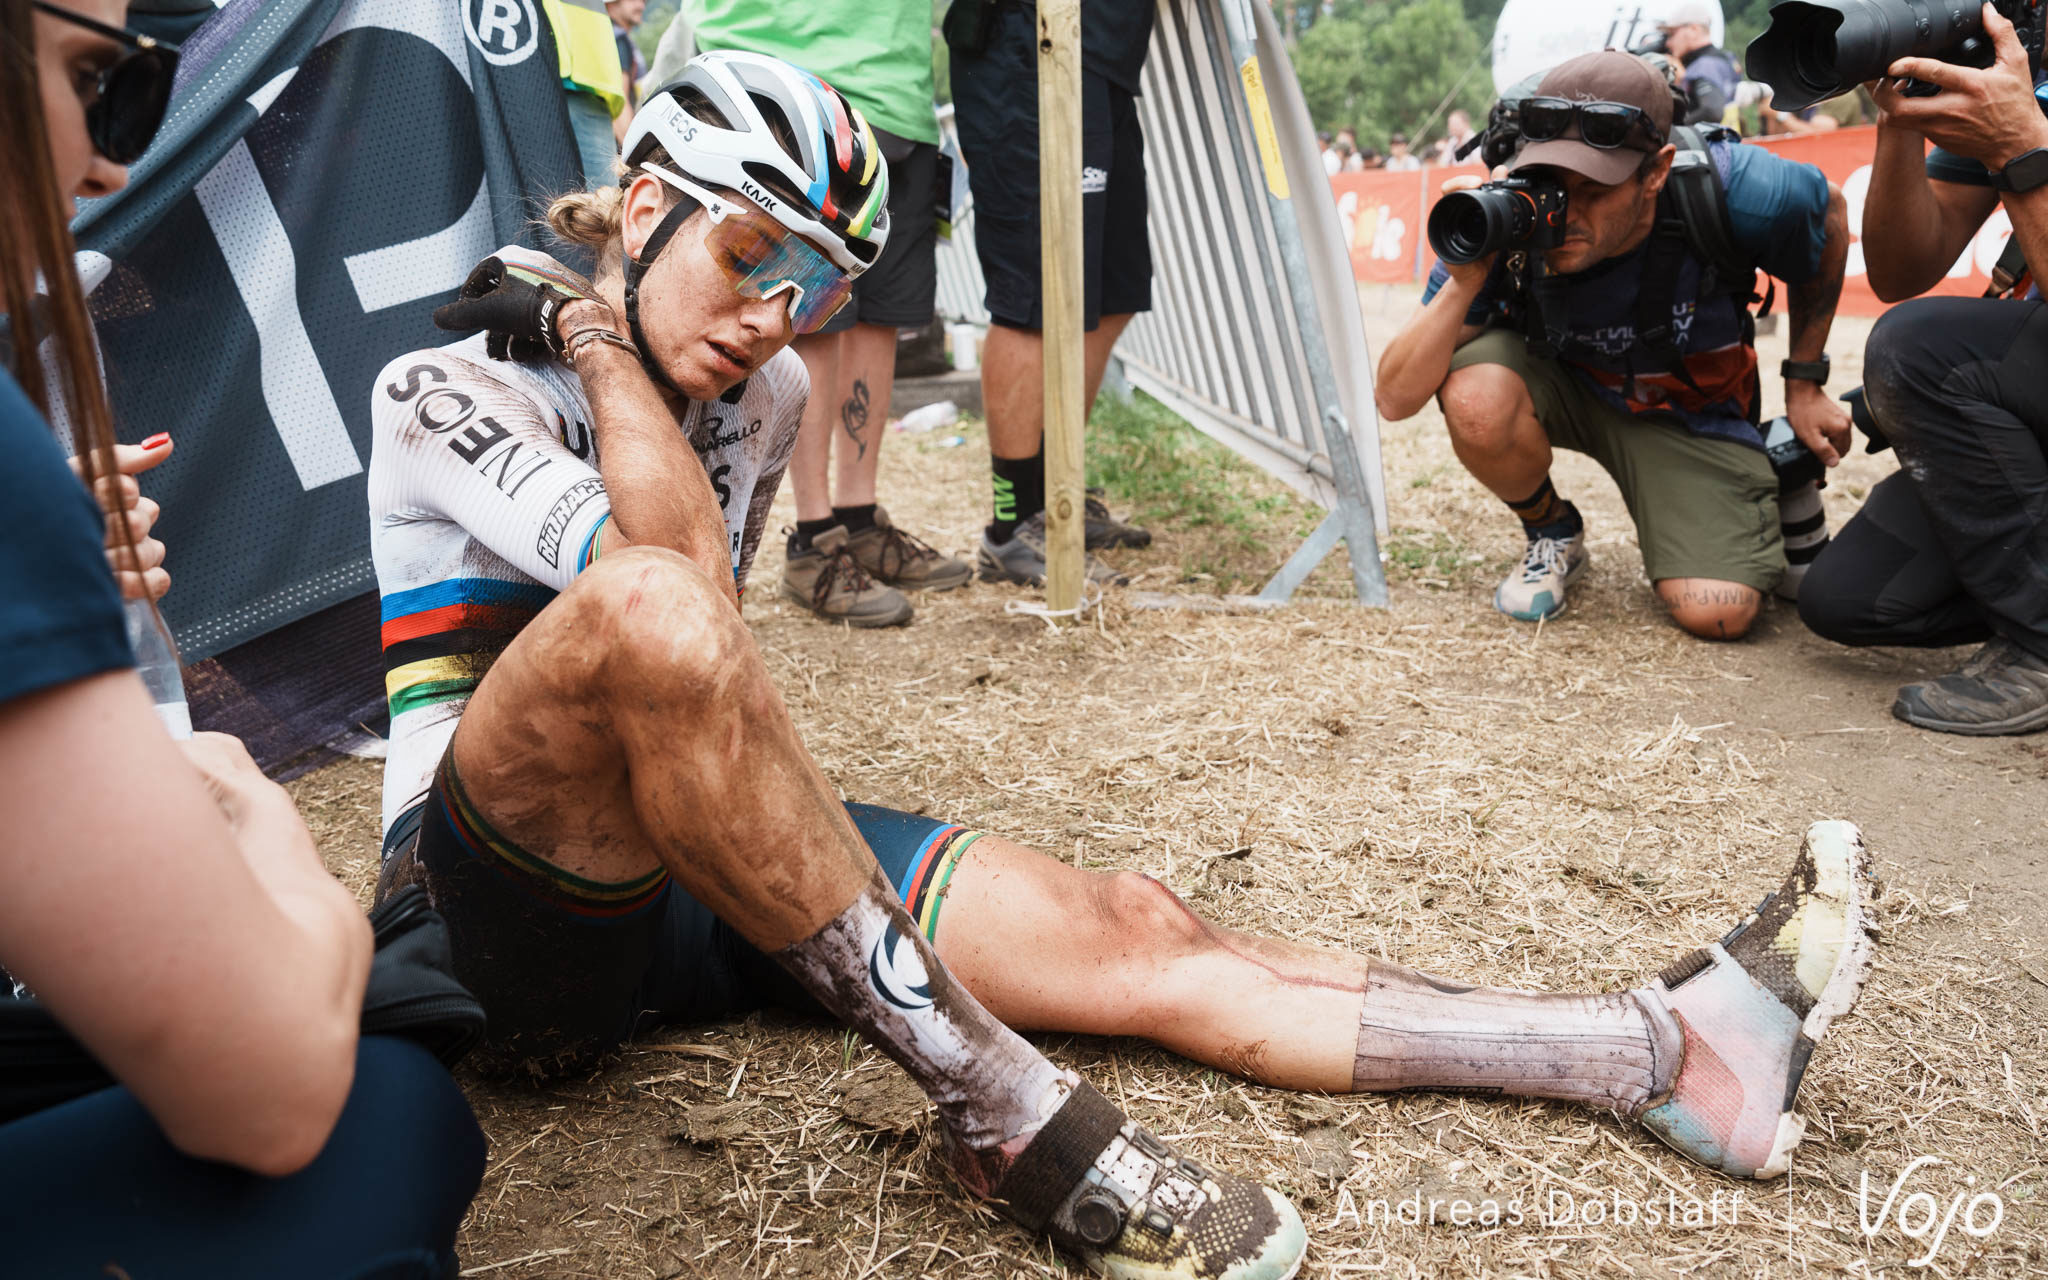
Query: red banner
(1384, 214)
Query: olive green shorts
(1703, 508)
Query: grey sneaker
(1105, 530)
(1022, 558)
(1534, 591)
(2002, 689)
(828, 581)
(890, 555)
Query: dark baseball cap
(1607, 76)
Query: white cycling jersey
(485, 501)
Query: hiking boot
(888, 554)
(1105, 530)
(1119, 1197)
(1022, 558)
(2001, 689)
(1750, 1008)
(828, 581)
(1534, 590)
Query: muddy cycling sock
(1619, 1051)
(855, 518)
(1805, 526)
(1019, 492)
(807, 532)
(1544, 512)
(872, 968)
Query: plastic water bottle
(156, 661)
(930, 418)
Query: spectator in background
(1370, 158)
(625, 16)
(1397, 154)
(847, 561)
(1710, 74)
(1457, 132)
(593, 84)
(1347, 150)
(995, 91)
(1333, 164)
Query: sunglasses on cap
(133, 91)
(1606, 125)
(763, 258)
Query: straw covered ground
(1567, 806)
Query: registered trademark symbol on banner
(506, 32)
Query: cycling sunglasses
(134, 90)
(763, 258)
(1606, 125)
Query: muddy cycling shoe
(1101, 530)
(890, 555)
(826, 579)
(1105, 1188)
(1751, 1007)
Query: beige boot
(829, 582)
(890, 555)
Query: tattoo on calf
(853, 416)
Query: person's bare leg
(1096, 347)
(1046, 947)
(632, 727)
(1708, 1055)
(1013, 390)
(810, 464)
(1494, 430)
(1710, 608)
(867, 380)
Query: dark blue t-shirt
(1777, 212)
(60, 613)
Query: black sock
(808, 530)
(855, 518)
(1019, 492)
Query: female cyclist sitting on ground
(163, 901)
(594, 777)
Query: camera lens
(1466, 226)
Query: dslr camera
(1816, 49)
(1512, 213)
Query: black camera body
(1816, 49)
(1512, 213)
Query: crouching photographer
(1599, 301)
(1953, 549)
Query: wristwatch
(2024, 172)
(1814, 371)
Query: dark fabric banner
(329, 173)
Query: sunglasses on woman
(1606, 125)
(133, 91)
(763, 258)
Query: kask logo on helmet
(506, 32)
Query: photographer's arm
(1818, 419)
(1988, 115)
(1418, 360)
(1914, 228)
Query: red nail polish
(157, 441)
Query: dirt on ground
(1566, 806)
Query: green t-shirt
(878, 52)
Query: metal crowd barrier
(1255, 336)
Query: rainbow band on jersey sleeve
(439, 640)
(924, 886)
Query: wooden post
(1060, 261)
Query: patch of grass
(1224, 522)
(1432, 556)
